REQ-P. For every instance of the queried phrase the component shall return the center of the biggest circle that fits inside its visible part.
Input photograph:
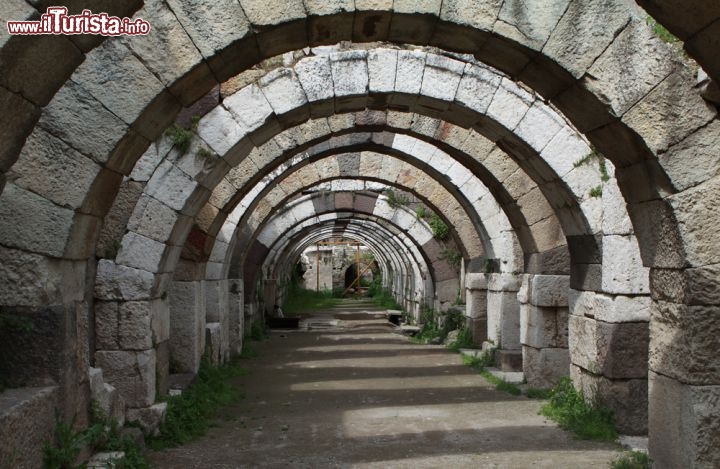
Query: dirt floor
(351, 393)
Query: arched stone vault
(405, 221)
(649, 124)
(399, 252)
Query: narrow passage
(350, 393)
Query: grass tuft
(480, 363)
(535, 393)
(571, 411)
(190, 414)
(632, 460)
(301, 300)
(464, 340)
(438, 227)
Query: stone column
(132, 347)
(684, 376)
(476, 306)
(187, 325)
(503, 313)
(236, 315)
(544, 329)
(217, 335)
(608, 337)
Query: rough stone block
(187, 328)
(382, 68)
(612, 350)
(479, 329)
(170, 185)
(543, 327)
(126, 98)
(132, 374)
(584, 32)
(149, 418)
(119, 282)
(696, 221)
(106, 460)
(27, 420)
(46, 232)
(504, 282)
(622, 268)
(142, 253)
(508, 360)
(543, 368)
(34, 280)
(213, 342)
(677, 109)
(549, 290)
(503, 313)
(106, 396)
(684, 342)
(283, 91)
(684, 428)
(106, 325)
(627, 399)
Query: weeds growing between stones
(632, 460)
(588, 420)
(190, 414)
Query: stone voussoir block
(549, 290)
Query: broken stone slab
(106, 460)
(106, 396)
(149, 418)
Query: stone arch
(684, 237)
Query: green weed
(300, 300)
(385, 299)
(571, 411)
(596, 191)
(395, 200)
(453, 257)
(480, 363)
(190, 414)
(464, 340)
(535, 393)
(438, 227)
(632, 460)
(661, 32)
(64, 451)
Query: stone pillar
(216, 312)
(270, 295)
(187, 325)
(503, 313)
(544, 329)
(236, 315)
(131, 345)
(476, 306)
(608, 337)
(684, 367)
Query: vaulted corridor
(548, 170)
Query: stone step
(512, 377)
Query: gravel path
(350, 393)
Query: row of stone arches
(94, 130)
